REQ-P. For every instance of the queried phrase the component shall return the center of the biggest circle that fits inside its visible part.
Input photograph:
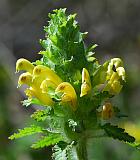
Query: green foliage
(26, 132)
(63, 44)
(117, 133)
(70, 118)
(64, 151)
(41, 115)
(47, 141)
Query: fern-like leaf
(41, 115)
(59, 154)
(117, 133)
(64, 151)
(26, 132)
(47, 141)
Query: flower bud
(107, 111)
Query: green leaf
(41, 115)
(92, 47)
(64, 151)
(117, 133)
(135, 145)
(47, 141)
(26, 132)
(59, 154)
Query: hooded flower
(115, 74)
(44, 72)
(25, 65)
(68, 94)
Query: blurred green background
(113, 25)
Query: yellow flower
(117, 62)
(42, 97)
(115, 74)
(25, 78)
(86, 83)
(34, 90)
(107, 111)
(24, 64)
(44, 72)
(113, 65)
(69, 94)
(116, 87)
(47, 83)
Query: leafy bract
(117, 133)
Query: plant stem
(82, 149)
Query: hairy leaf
(117, 133)
(41, 115)
(47, 141)
(64, 151)
(26, 132)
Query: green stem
(82, 149)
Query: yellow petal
(116, 87)
(121, 72)
(85, 88)
(45, 84)
(42, 97)
(114, 77)
(85, 76)
(107, 111)
(29, 92)
(45, 72)
(86, 83)
(24, 64)
(69, 94)
(25, 78)
(115, 62)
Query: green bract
(73, 89)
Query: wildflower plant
(73, 90)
